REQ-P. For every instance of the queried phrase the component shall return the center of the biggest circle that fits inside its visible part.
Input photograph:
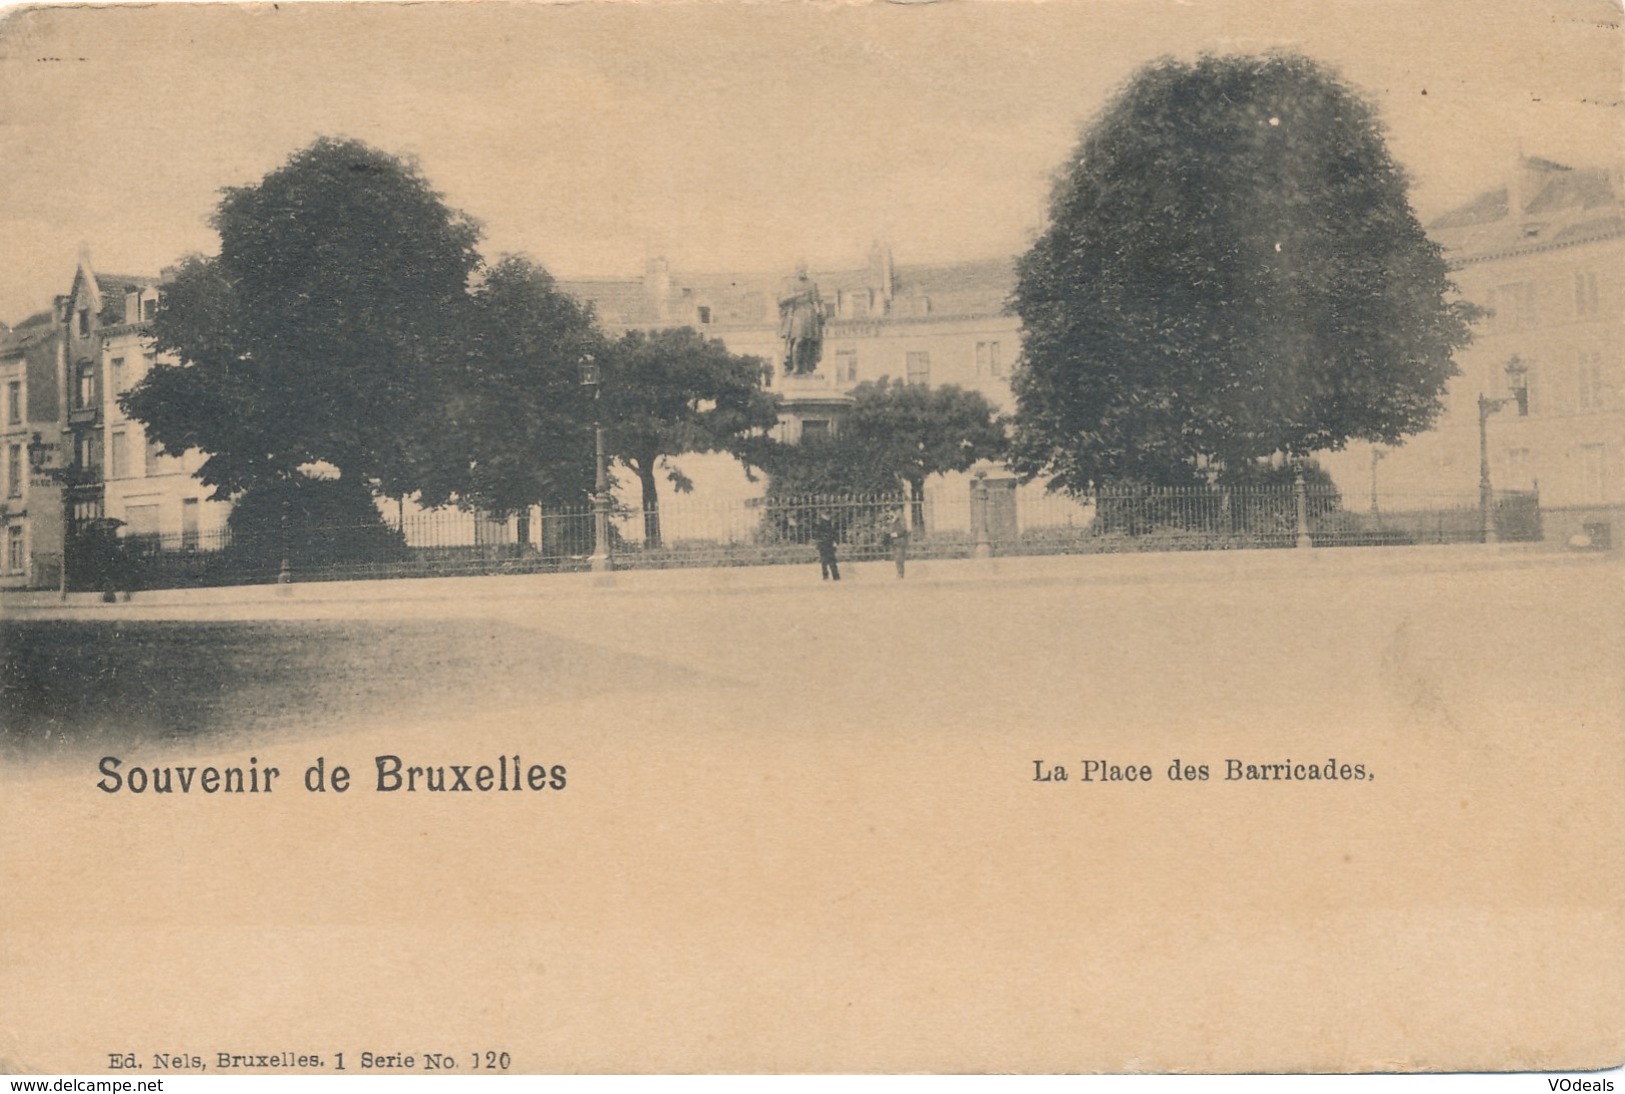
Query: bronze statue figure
(801, 323)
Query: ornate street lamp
(1518, 384)
(602, 560)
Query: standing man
(828, 567)
(897, 535)
(801, 323)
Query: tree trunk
(651, 503)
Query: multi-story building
(94, 305)
(115, 472)
(152, 494)
(67, 451)
(928, 324)
(934, 324)
(1544, 255)
(31, 425)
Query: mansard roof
(616, 302)
(1544, 204)
(977, 287)
(36, 328)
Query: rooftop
(1542, 204)
(736, 298)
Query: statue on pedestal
(801, 323)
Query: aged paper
(739, 819)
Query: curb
(925, 575)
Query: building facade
(70, 455)
(32, 368)
(934, 324)
(927, 324)
(1544, 256)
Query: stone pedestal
(813, 407)
(992, 509)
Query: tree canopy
(835, 466)
(1231, 269)
(892, 438)
(668, 392)
(913, 431)
(517, 424)
(350, 320)
(319, 331)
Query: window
(846, 364)
(149, 308)
(14, 548)
(1515, 307)
(118, 455)
(1589, 394)
(704, 313)
(189, 509)
(989, 359)
(1592, 472)
(84, 322)
(919, 367)
(860, 304)
(84, 392)
(89, 451)
(14, 402)
(1518, 473)
(14, 471)
(1585, 294)
(120, 384)
(141, 521)
(1532, 388)
(814, 430)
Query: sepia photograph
(717, 538)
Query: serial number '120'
(488, 1060)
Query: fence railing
(768, 531)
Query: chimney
(882, 274)
(657, 284)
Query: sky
(720, 135)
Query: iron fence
(771, 531)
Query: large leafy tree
(320, 331)
(517, 423)
(912, 431)
(668, 392)
(1231, 269)
(828, 467)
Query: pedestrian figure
(897, 536)
(828, 567)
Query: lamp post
(1377, 456)
(602, 560)
(978, 495)
(1518, 383)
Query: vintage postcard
(1073, 537)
